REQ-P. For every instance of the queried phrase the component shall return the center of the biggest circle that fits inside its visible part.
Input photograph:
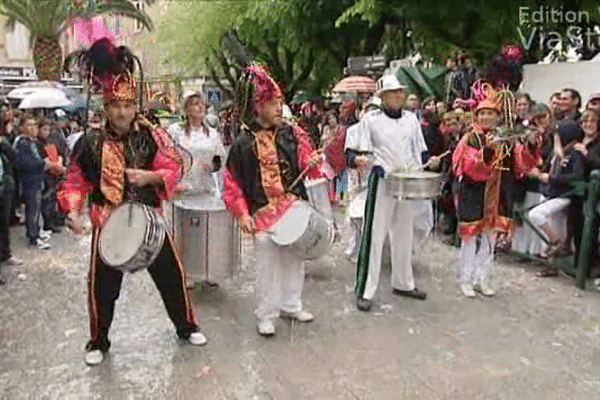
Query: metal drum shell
(316, 239)
(208, 240)
(318, 196)
(410, 186)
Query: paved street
(538, 339)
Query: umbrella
(355, 83)
(77, 104)
(45, 98)
(25, 89)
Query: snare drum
(132, 237)
(414, 185)
(318, 197)
(304, 231)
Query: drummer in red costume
(264, 161)
(127, 159)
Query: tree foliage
(46, 20)
(297, 39)
(478, 27)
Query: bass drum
(208, 239)
(304, 231)
(132, 237)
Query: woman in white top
(204, 145)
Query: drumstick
(299, 178)
(444, 154)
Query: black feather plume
(231, 42)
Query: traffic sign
(214, 95)
(365, 63)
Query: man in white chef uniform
(390, 139)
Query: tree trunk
(47, 58)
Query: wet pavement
(537, 339)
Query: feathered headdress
(108, 69)
(255, 88)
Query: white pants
(355, 232)
(475, 257)
(545, 212)
(279, 278)
(422, 223)
(525, 240)
(393, 217)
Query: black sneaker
(363, 304)
(413, 294)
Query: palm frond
(118, 7)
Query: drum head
(291, 225)
(208, 203)
(123, 234)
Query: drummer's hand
(141, 177)
(362, 162)
(316, 157)
(247, 224)
(544, 178)
(433, 162)
(182, 187)
(535, 173)
(74, 222)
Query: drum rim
(427, 175)
(308, 183)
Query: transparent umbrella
(45, 98)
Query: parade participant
(264, 161)
(204, 144)
(481, 212)
(394, 138)
(127, 159)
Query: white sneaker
(42, 245)
(45, 235)
(93, 357)
(197, 339)
(300, 316)
(467, 290)
(266, 327)
(484, 289)
(13, 261)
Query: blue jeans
(32, 197)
